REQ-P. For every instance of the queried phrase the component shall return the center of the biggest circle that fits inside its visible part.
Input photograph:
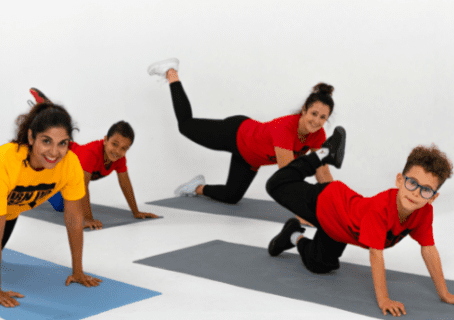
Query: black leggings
(215, 135)
(288, 188)
(9, 227)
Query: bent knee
(232, 199)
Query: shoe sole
(40, 94)
(341, 150)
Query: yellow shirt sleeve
(9, 171)
(74, 188)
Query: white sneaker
(188, 189)
(160, 68)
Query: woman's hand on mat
(304, 222)
(7, 300)
(396, 308)
(93, 224)
(83, 279)
(143, 215)
(448, 298)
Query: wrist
(444, 296)
(77, 268)
(382, 299)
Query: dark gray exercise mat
(350, 288)
(109, 216)
(246, 208)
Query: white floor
(111, 253)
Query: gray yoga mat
(350, 288)
(109, 216)
(246, 208)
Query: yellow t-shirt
(22, 188)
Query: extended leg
(210, 133)
(288, 188)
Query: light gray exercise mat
(246, 208)
(109, 216)
(350, 288)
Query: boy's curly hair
(432, 160)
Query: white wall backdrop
(391, 63)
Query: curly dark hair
(432, 160)
(41, 117)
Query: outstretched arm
(433, 263)
(283, 156)
(89, 222)
(74, 221)
(323, 175)
(126, 188)
(377, 264)
(6, 297)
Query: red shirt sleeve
(423, 233)
(87, 157)
(121, 165)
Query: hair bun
(323, 88)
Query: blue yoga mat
(47, 297)
(350, 288)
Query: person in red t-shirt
(252, 143)
(343, 217)
(99, 159)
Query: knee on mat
(232, 199)
(313, 264)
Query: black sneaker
(39, 96)
(282, 242)
(336, 146)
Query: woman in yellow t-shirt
(33, 167)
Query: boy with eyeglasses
(343, 217)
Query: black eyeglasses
(412, 185)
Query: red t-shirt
(91, 157)
(371, 222)
(256, 140)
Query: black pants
(215, 135)
(288, 188)
(9, 227)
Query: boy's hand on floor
(449, 298)
(396, 308)
(93, 224)
(143, 215)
